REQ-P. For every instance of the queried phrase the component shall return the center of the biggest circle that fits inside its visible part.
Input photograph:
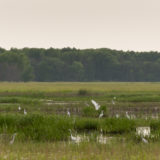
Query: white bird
(101, 115)
(68, 113)
(143, 131)
(102, 139)
(13, 138)
(96, 105)
(144, 140)
(127, 115)
(113, 102)
(25, 112)
(117, 115)
(19, 108)
(73, 138)
(76, 139)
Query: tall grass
(118, 126)
(38, 127)
(84, 151)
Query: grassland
(85, 151)
(44, 132)
(75, 86)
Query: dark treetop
(70, 64)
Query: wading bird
(96, 105)
(101, 139)
(13, 138)
(113, 102)
(25, 112)
(68, 113)
(19, 108)
(144, 140)
(117, 115)
(127, 115)
(76, 139)
(101, 115)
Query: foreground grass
(84, 151)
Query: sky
(116, 24)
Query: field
(44, 132)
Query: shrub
(89, 112)
(155, 125)
(118, 126)
(86, 124)
(82, 92)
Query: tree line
(71, 64)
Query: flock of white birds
(102, 139)
(77, 139)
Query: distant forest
(70, 64)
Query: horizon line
(19, 48)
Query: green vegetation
(37, 127)
(70, 64)
(44, 133)
(84, 151)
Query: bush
(89, 112)
(86, 124)
(155, 125)
(118, 126)
(82, 92)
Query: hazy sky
(116, 24)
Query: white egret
(127, 115)
(76, 139)
(144, 140)
(96, 105)
(117, 115)
(101, 115)
(102, 139)
(19, 108)
(13, 138)
(68, 113)
(113, 102)
(25, 112)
